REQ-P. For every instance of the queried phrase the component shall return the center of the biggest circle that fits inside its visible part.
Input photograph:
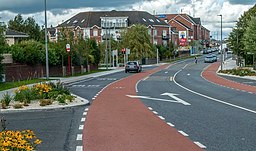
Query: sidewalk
(231, 64)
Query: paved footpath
(116, 122)
(211, 75)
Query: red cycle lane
(116, 122)
(210, 74)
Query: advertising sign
(183, 38)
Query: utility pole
(46, 46)
(221, 67)
(106, 42)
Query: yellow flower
(37, 141)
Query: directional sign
(172, 95)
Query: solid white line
(83, 119)
(136, 86)
(200, 145)
(79, 148)
(170, 124)
(79, 137)
(85, 113)
(183, 133)
(161, 117)
(155, 112)
(213, 99)
(81, 127)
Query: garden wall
(17, 72)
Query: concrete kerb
(231, 64)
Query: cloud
(242, 2)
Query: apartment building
(101, 25)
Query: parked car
(209, 59)
(133, 66)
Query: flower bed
(239, 72)
(42, 94)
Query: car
(209, 59)
(133, 66)
(214, 57)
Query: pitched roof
(89, 19)
(13, 33)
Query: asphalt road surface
(220, 118)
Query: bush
(18, 106)
(239, 72)
(6, 100)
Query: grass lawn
(9, 85)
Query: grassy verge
(9, 85)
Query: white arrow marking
(149, 98)
(172, 95)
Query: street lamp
(46, 47)
(221, 67)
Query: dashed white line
(81, 127)
(85, 113)
(183, 133)
(161, 117)
(200, 145)
(86, 109)
(83, 119)
(150, 108)
(79, 137)
(170, 124)
(79, 148)
(155, 112)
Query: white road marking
(188, 74)
(200, 145)
(150, 108)
(149, 98)
(213, 99)
(145, 78)
(86, 109)
(172, 95)
(79, 137)
(183, 133)
(83, 119)
(161, 117)
(155, 112)
(85, 113)
(171, 78)
(81, 127)
(79, 148)
(166, 72)
(170, 124)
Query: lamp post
(46, 47)
(221, 67)
(106, 41)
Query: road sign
(68, 47)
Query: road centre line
(79, 148)
(213, 99)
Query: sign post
(68, 50)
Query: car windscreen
(131, 63)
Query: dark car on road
(132, 66)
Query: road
(220, 118)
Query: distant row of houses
(180, 29)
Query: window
(155, 32)
(158, 20)
(82, 20)
(144, 20)
(95, 32)
(151, 20)
(164, 33)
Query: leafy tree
(28, 26)
(250, 37)
(138, 40)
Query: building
(13, 36)
(189, 28)
(103, 24)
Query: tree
(138, 40)
(250, 38)
(28, 26)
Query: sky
(61, 10)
